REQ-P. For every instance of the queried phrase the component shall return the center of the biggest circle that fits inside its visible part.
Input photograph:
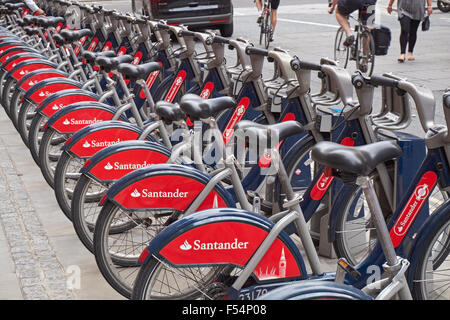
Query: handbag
(426, 24)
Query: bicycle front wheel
(365, 55)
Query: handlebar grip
(219, 39)
(188, 33)
(358, 80)
(383, 81)
(253, 50)
(162, 26)
(297, 64)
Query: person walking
(410, 14)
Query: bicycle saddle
(90, 56)
(109, 64)
(14, 6)
(359, 160)
(198, 108)
(135, 72)
(31, 31)
(29, 19)
(46, 22)
(169, 112)
(75, 35)
(279, 131)
(59, 40)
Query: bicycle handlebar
(253, 50)
(189, 33)
(162, 26)
(359, 81)
(297, 64)
(219, 39)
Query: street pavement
(42, 257)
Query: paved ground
(42, 257)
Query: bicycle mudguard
(15, 59)
(11, 52)
(76, 116)
(170, 186)
(112, 163)
(10, 44)
(63, 98)
(91, 139)
(29, 66)
(413, 251)
(37, 76)
(44, 89)
(314, 290)
(227, 236)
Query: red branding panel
(233, 243)
(12, 54)
(324, 182)
(120, 163)
(207, 90)
(168, 191)
(78, 48)
(61, 102)
(78, 119)
(38, 78)
(14, 63)
(98, 140)
(176, 85)
(238, 114)
(39, 95)
(150, 81)
(19, 73)
(412, 208)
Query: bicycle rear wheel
(268, 31)
(341, 52)
(365, 54)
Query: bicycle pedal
(349, 269)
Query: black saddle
(46, 22)
(90, 56)
(360, 160)
(142, 71)
(277, 131)
(14, 6)
(169, 112)
(109, 64)
(31, 31)
(29, 19)
(59, 40)
(75, 35)
(198, 108)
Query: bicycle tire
(423, 271)
(35, 135)
(83, 225)
(14, 106)
(47, 159)
(26, 115)
(63, 196)
(315, 290)
(148, 273)
(268, 30)
(112, 265)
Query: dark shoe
(259, 20)
(271, 37)
(349, 41)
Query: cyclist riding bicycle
(274, 5)
(344, 9)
